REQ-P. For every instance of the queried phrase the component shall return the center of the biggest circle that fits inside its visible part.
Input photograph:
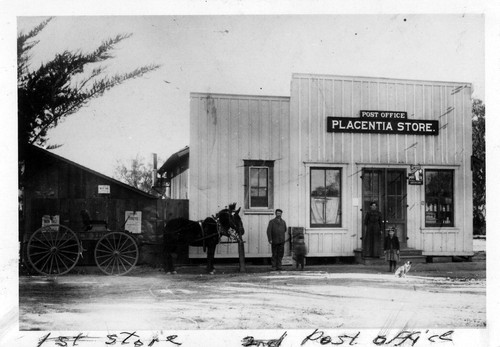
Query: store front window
(439, 211)
(325, 197)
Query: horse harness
(230, 233)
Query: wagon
(55, 249)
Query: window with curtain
(326, 210)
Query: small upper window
(439, 211)
(259, 184)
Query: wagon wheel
(53, 250)
(116, 253)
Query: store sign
(416, 176)
(382, 122)
(383, 114)
(103, 189)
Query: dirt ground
(433, 295)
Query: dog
(403, 269)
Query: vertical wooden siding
(225, 129)
(316, 97)
(179, 186)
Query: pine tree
(60, 87)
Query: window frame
(259, 187)
(437, 210)
(259, 164)
(340, 197)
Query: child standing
(391, 249)
(299, 251)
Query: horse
(179, 232)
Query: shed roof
(41, 151)
(174, 161)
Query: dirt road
(437, 295)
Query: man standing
(276, 231)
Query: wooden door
(387, 187)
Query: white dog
(403, 269)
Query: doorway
(387, 187)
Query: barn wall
(179, 186)
(61, 189)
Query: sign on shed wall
(133, 221)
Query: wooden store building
(325, 152)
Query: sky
(239, 54)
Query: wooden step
(411, 254)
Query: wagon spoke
(105, 255)
(52, 235)
(115, 253)
(112, 243)
(47, 267)
(45, 263)
(104, 246)
(61, 244)
(42, 258)
(72, 256)
(128, 252)
(45, 236)
(115, 243)
(113, 267)
(128, 256)
(110, 261)
(118, 263)
(38, 253)
(118, 242)
(67, 246)
(53, 251)
(64, 255)
(129, 263)
(56, 258)
(125, 247)
(41, 241)
(51, 263)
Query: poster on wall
(133, 220)
(47, 219)
(416, 175)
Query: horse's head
(229, 218)
(238, 223)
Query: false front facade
(327, 151)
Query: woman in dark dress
(373, 231)
(391, 249)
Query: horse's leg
(168, 264)
(210, 258)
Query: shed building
(57, 190)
